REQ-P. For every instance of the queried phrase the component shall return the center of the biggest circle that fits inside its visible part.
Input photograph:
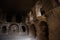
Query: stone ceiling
(18, 5)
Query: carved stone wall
(53, 18)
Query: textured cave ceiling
(17, 5)
(18, 8)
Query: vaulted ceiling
(18, 5)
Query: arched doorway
(14, 28)
(23, 28)
(33, 29)
(4, 29)
(44, 30)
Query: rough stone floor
(16, 37)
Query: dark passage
(23, 28)
(42, 12)
(33, 29)
(44, 29)
(4, 29)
